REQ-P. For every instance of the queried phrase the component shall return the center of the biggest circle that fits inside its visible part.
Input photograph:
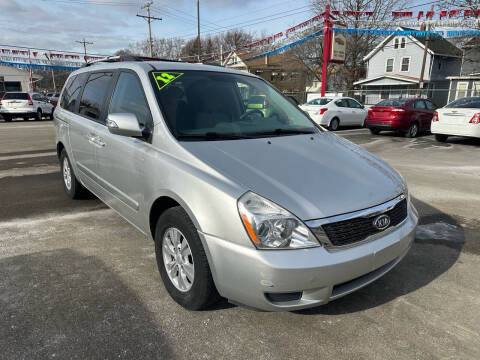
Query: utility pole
(198, 27)
(327, 34)
(85, 43)
(149, 20)
(425, 53)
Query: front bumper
(246, 275)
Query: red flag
(443, 13)
(420, 14)
(430, 14)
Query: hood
(311, 176)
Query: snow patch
(440, 231)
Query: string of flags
(417, 33)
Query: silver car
(267, 210)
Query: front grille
(350, 231)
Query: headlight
(272, 227)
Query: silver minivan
(259, 206)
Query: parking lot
(77, 281)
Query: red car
(409, 116)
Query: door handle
(99, 141)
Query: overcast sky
(112, 24)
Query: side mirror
(124, 124)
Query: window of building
(94, 95)
(395, 43)
(476, 88)
(462, 88)
(403, 43)
(405, 64)
(128, 97)
(389, 65)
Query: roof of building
(437, 45)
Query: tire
(72, 188)
(441, 137)
(375, 131)
(198, 292)
(38, 115)
(334, 124)
(7, 118)
(412, 131)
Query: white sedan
(335, 112)
(459, 118)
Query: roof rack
(122, 58)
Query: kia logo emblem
(381, 222)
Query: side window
(354, 104)
(419, 104)
(430, 105)
(94, 95)
(71, 92)
(341, 103)
(128, 97)
(36, 97)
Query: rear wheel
(182, 261)
(39, 115)
(412, 130)
(72, 186)
(7, 118)
(375, 131)
(334, 124)
(441, 137)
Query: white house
(14, 79)
(394, 68)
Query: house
(284, 71)
(14, 79)
(468, 82)
(394, 68)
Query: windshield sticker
(164, 78)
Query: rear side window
(419, 104)
(94, 95)
(341, 103)
(128, 97)
(71, 92)
(430, 105)
(15, 96)
(354, 104)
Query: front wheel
(334, 124)
(441, 137)
(375, 131)
(39, 115)
(182, 261)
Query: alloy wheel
(67, 174)
(178, 259)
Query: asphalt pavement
(79, 282)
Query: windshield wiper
(286, 132)
(212, 136)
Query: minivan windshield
(466, 103)
(15, 96)
(208, 105)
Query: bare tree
(359, 45)
(168, 48)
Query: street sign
(339, 43)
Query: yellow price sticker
(162, 79)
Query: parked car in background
(459, 118)
(25, 105)
(53, 98)
(237, 204)
(335, 112)
(410, 116)
(260, 104)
